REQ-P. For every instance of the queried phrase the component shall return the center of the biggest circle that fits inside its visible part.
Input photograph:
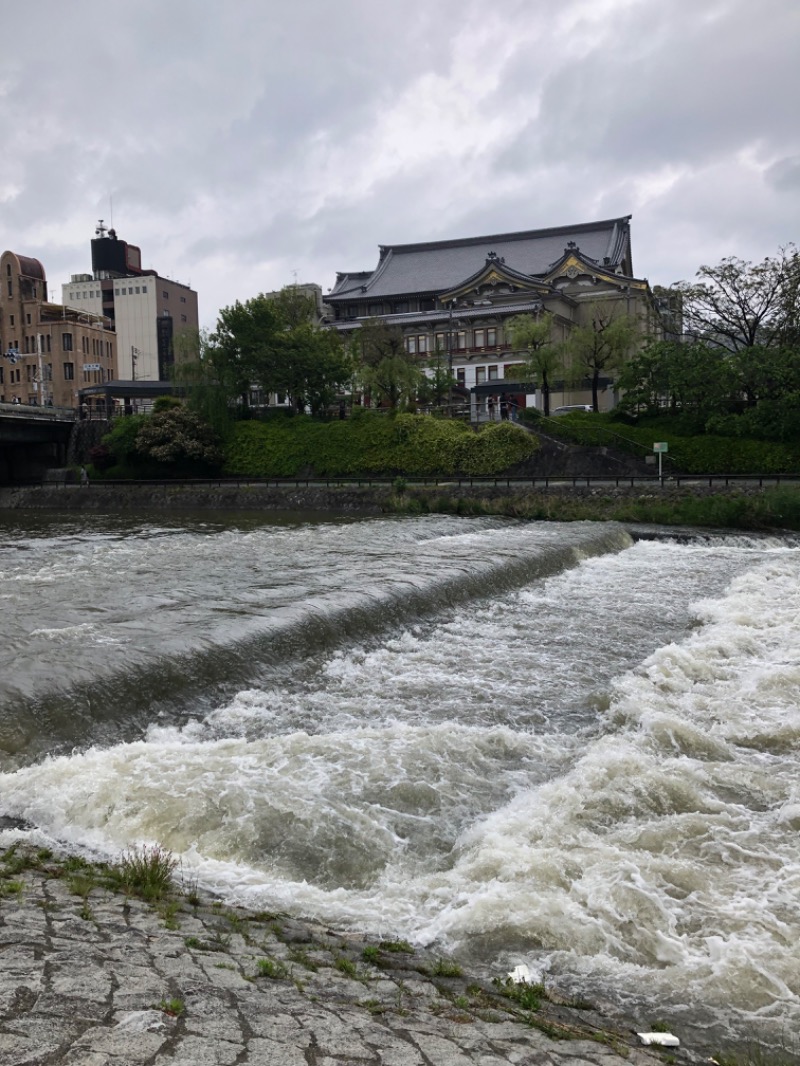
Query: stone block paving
(92, 977)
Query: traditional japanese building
(456, 297)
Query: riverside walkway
(94, 977)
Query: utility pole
(39, 339)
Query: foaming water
(594, 772)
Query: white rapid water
(595, 774)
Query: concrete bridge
(32, 440)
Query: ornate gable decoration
(573, 264)
(495, 278)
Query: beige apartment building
(48, 351)
(148, 311)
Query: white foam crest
(335, 808)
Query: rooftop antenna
(111, 208)
(100, 230)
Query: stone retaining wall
(374, 498)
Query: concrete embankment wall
(372, 498)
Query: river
(511, 742)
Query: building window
(183, 318)
(493, 373)
(480, 375)
(69, 371)
(423, 344)
(144, 288)
(461, 340)
(491, 338)
(10, 288)
(28, 319)
(2, 372)
(165, 294)
(480, 338)
(11, 320)
(66, 342)
(441, 342)
(48, 338)
(460, 377)
(137, 288)
(183, 299)
(411, 345)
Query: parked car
(572, 407)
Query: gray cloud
(243, 142)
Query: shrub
(373, 444)
(147, 871)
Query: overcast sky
(251, 143)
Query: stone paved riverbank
(92, 976)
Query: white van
(572, 407)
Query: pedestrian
(503, 409)
(16, 399)
(84, 478)
(84, 410)
(490, 408)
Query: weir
(513, 743)
(119, 699)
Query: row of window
(130, 290)
(457, 340)
(32, 373)
(30, 345)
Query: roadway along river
(513, 742)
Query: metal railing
(548, 481)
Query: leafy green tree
(532, 334)
(437, 383)
(387, 370)
(312, 366)
(213, 382)
(690, 379)
(737, 304)
(243, 343)
(394, 380)
(600, 344)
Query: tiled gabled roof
(438, 266)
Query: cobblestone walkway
(91, 977)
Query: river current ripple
(512, 742)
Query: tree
(244, 344)
(690, 379)
(533, 334)
(738, 304)
(387, 369)
(438, 381)
(600, 344)
(311, 366)
(269, 342)
(214, 381)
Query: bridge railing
(46, 414)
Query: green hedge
(374, 444)
(702, 454)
